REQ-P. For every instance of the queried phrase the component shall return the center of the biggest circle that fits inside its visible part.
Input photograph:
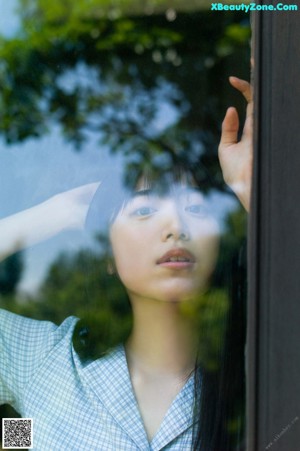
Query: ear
(110, 268)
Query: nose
(174, 228)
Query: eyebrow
(180, 192)
(190, 189)
(143, 192)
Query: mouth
(177, 259)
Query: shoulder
(26, 332)
(24, 345)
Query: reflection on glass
(128, 225)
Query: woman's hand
(71, 207)
(66, 210)
(236, 156)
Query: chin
(182, 293)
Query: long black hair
(220, 393)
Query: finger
(248, 127)
(84, 193)
(230, 127)
(90, 189)
(93, 186)
(243, 86)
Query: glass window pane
(118, 228)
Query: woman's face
(165, 246)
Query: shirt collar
(109, 379)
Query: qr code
(17, 433)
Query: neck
(162, 341)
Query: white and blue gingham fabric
(76, 406)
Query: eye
(144, 211)
(196, 210)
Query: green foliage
(97, 66)
(79, 285)
(10, 274)
(208, 314)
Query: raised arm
(63, 211)
(236, 156)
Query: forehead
(167, 184)
(175, 192)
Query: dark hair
(220, 395)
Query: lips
(177, 259)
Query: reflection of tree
(111, 75)
(79, 285)
(10, 274)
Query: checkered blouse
(77, 406)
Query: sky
(8, 19)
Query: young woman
(165, 247)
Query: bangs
(161, 184)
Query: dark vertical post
(273, 351)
